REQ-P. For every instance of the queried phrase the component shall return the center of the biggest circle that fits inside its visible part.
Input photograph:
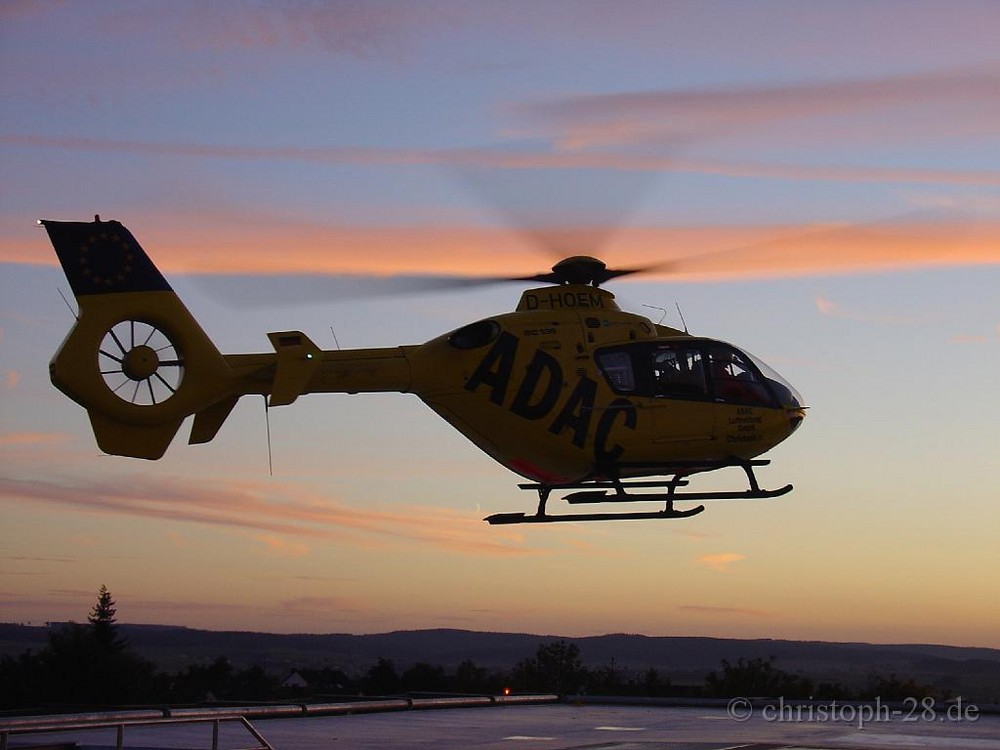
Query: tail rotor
(140, 363)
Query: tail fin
(136, 359)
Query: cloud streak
(29, 558)
(832, 309)
(375, 29)
(720, 561)
(291, 511)
(514, 159)
(684, 253)
(33, 438)
(957, 103)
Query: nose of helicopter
(791, 399)
(795, 417)
(787, 395)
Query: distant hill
(685, 660)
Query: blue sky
(844, 156)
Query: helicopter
(568, 391)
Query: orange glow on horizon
(694, 253)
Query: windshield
(695, 370)
(785, 391)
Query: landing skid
(617, 491)
(502, 518)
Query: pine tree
(102, 619)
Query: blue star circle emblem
(106, 259)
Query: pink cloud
(962, 338)
(513, 159)
(827, 307)
(720, 561)
(176, 539)
(694, 536)
(923, 241)
(961, 103)
(177, 245)
(282, 547)
(834, 310)
(292, 512)
(372, 29)
(33, 438)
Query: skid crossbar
(615, 490)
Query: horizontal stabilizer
(208, 421)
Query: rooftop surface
(594, 727)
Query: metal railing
(119, 721)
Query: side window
(617, 368)
(734, 380)
(474, 335)
(678, 372)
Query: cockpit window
(692, 370)
(678, 372)
(475, 335)
(785, 391)
(734, 379)
(617, 368)
(669, 370)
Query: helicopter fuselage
(566, 387)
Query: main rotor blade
(863, 246)
(292, 289)
(854, 247)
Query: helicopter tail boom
(139, 362)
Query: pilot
(727, 385)
(674, 378)
(733, 381)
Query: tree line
(92, 666)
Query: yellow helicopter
(568, 391)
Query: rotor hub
(579, 269)
(140, 362)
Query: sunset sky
(823, 181)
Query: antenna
(334, 336)
(71, 311)
(683, 322)
(267, 431)
(654, 307)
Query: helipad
(562, 727)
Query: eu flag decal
(102, 257)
